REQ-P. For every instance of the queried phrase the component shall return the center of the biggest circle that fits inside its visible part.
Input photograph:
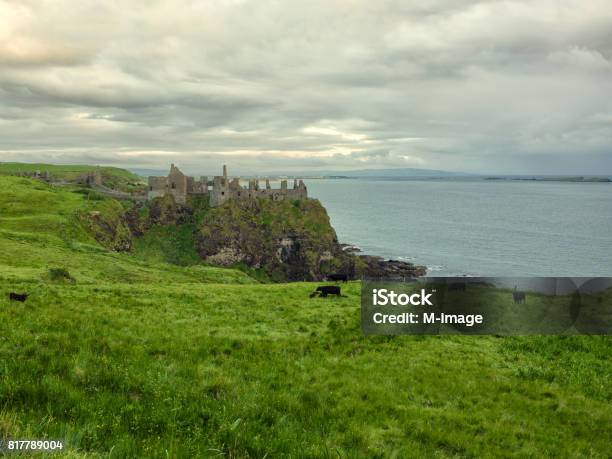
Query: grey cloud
(458, 85)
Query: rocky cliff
(284, 240)
(289, 240)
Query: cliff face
(286, 240)
(107, 225)
(289, 240)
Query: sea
(476, 227)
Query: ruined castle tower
(181, 187)
(220, 192)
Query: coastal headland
(277, 234)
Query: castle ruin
(45, 176)
(181, 186)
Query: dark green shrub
(60, 275)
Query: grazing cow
(324, 291)
(21, 297)
(337, 277)
(457, 287)
(518, 297)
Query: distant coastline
(525, 178)
(579, 179)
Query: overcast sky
(476, 86)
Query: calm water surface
(476, 227)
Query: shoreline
(383, 267)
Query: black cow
(325, 290)
(518, 297)
(21, 297)
(337, 277)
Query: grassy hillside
(40, 228)
(65, 171)
(139, 358)
(113, 177)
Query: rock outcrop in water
(374, 267)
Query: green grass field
(135, 357)
(113, 177)
(65, 171)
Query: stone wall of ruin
(223, 189)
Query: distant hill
(396, 172)
(142, 172)
(65, 171)
(112, 177)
